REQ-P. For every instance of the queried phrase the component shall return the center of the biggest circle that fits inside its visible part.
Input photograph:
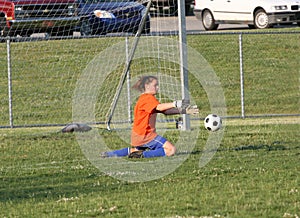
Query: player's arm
(164, 106)
(177, 107)
(171, 111)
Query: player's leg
(165, 149)
(169, 148)
(116, 153)
(158, 147)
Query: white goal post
(183, 65)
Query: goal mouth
(158, 56)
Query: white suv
(258, 14)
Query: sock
(154, 153)
(119, 153)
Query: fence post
(9, 84)
(128, 81)
(242, 76)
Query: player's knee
(170, 149)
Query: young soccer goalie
(145, 142)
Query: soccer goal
(181, 50)
(89, 54)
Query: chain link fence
(259, 73)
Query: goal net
(49, 45)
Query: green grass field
(254, 172)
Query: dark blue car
(108, 16)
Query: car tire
(26, 33)
(10, 33)
(298, 23)
(146, 29)
(208, 21)
(66, 31)
(261, 20)
(2, 23)
(85, 28)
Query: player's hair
(140, 84)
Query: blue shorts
(156, 143)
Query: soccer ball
(212, 122)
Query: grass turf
(254, 173)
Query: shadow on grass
(54, 186)
(275, 146)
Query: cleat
(136, 154)
(104, 155)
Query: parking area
(170, 24)
(165, 24)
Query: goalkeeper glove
(190, 109)
(184, 107)
(181, 103)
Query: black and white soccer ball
(212, 122)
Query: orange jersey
(143, 130)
